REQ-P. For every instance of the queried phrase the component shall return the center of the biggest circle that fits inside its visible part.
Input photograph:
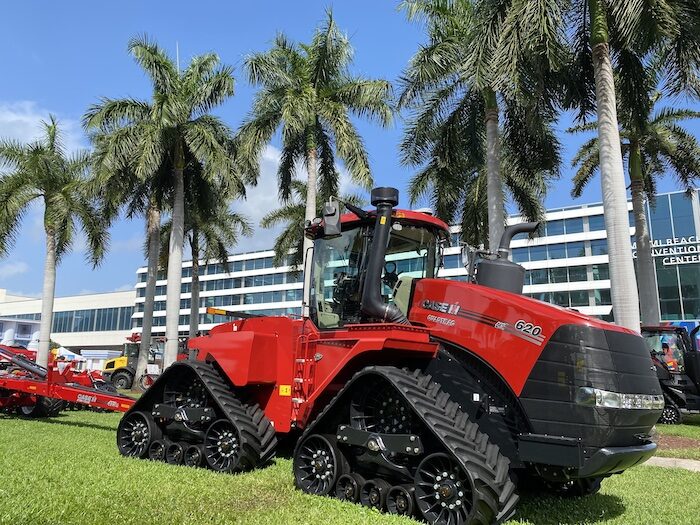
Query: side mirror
(331, 219)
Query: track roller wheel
(317, 465)
(135, 433)
(348, 487)
(400, 500)
(194, 456)
(175, 453)
(156, 450)
(444, 492)
(374, 492)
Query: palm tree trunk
(309, 215)
(625, 299)
(646, 273)
(177, 234)
(494, 185)
(47, 297)
(153, 235)
(194, 302)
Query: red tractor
(406, 392)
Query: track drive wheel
(135, 433)
(225, 450)
(444, 492)
(671, 414)
(317, 465)
(43, 407)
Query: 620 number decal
(528, 328)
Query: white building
(96, 321)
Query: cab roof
(405, 216)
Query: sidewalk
(687, 464)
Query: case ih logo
(84, 398)
(445, 308)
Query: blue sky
(61, 57)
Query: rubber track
(461, 437)
(257, 435)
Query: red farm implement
(32, 390)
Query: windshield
(339, 264)
(667, 348)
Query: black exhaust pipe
(372, 304)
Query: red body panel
(483, 320)
(291, 363)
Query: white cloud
(13, 268)
(22, 121)
(124, 288)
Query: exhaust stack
(372, 304)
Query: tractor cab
(350, 282)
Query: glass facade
(672, 218)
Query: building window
(574, 225)
(520, 255)
(579, 297)
(661, 228)
(578, 273)
(576, 249)
(539, 276)
(601, 272)
(555, 227)
(557, 251)
(538, 253)
(558, 275)
(683, 218)
(596, 223)
(602, 297)
(599, 247)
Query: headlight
(590, 396)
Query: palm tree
(599, 33)
(458, 195)
(211, 228)
(453, 131)
(652, 147)
(43, 171)
(289, 243)
(308, 92)
(175, 125)
(115, 179)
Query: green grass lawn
(689, 429)
(67, 471)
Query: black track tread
(257, 435)
(497, 496)
(234, 410)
